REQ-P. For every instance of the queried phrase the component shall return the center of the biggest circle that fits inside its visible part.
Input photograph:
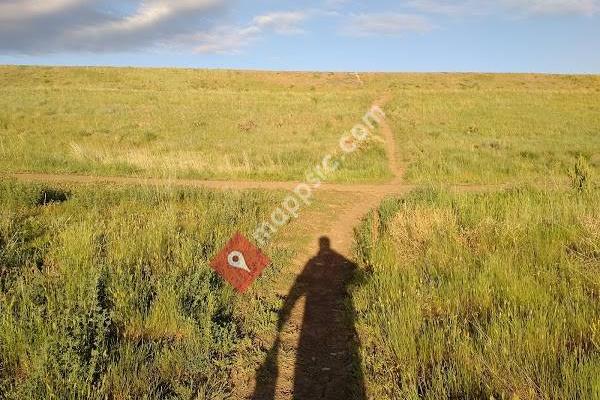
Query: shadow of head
(324, 244)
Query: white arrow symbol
(236, 260)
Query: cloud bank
(53, 26)
(32, 26)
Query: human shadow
(327, 361)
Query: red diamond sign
(240, 262)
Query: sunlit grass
(450, 128)
(481, 296)
(491, 133)
(170, 123)
(107, 292)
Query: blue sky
(560, 36)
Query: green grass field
(179, 124)
(106, 292)
(450, 128)
(488, 132)
(481, 296)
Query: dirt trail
(397, 169)
(315, 353)
(316, 349)
(394, 186)
(381, 189)
(194, 183)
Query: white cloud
(390, 24)
(518, 7)
(231, 40)
(18, 10)
(224, 40)
(451, 7)
(30, 26)
(154, 21)
(35, 26)
(152, 13)
(47, 26)
(584, 7)
(281, 22)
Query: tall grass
(107, 293)
(481, 296)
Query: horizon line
(284, 70)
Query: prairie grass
(179, 123)
(107, 292)
(491, 130)
(450, 128)
(481, 295)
